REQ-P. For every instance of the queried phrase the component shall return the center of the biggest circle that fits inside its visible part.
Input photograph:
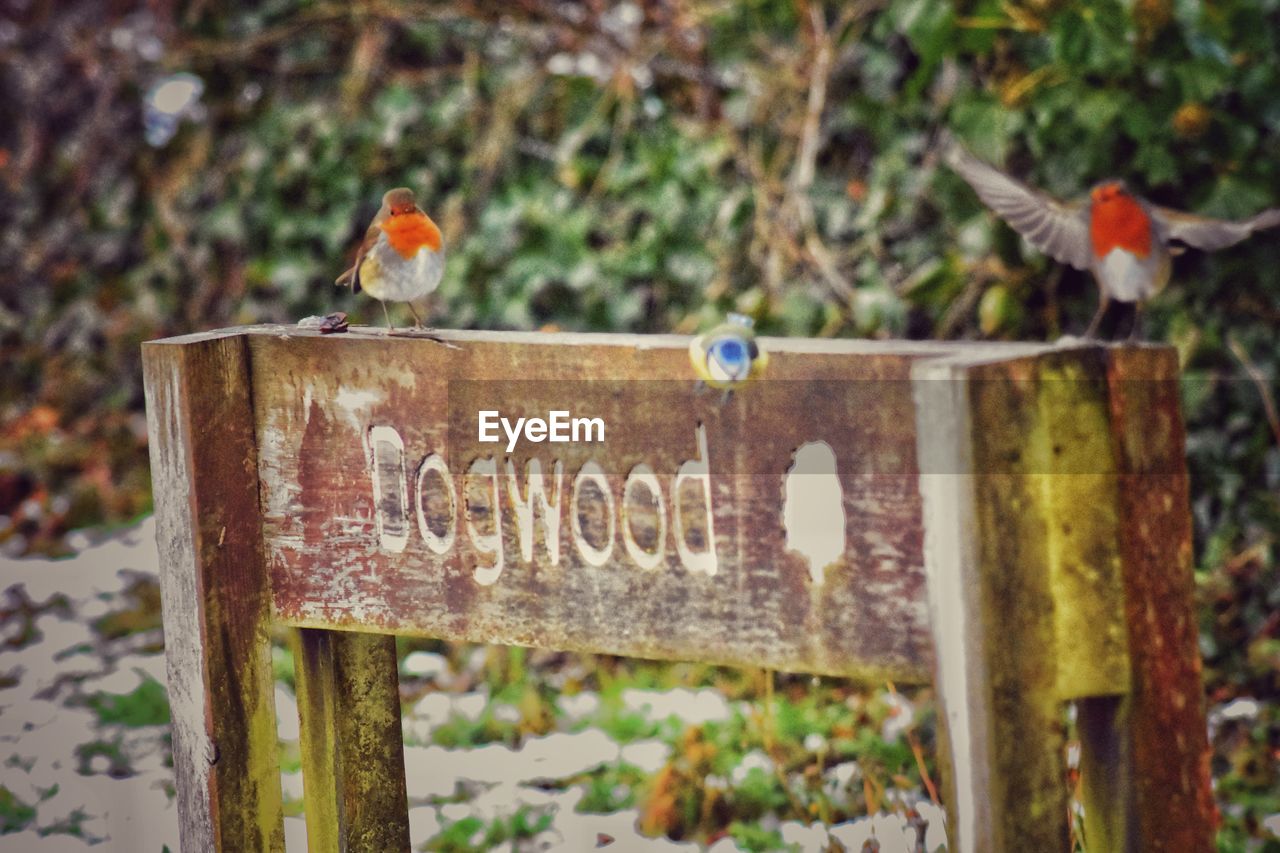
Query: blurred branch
(1260, 380)
(621, 127)
(803, 170)
(921, 765)
(241, 47)
(820, 71)
(367, 54)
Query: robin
(1124, 240)
(402, 256)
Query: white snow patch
(693, 707)
(433, 771)
(1244, 708)
(425, 665)
(648, 755)
(287, 724)
(579, 705)
(753, 760)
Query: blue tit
(728, 355)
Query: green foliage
(141, 613)
(758, 794)
(611, 788)
(282, 665)
(472, 834)
(461, 731)
(111, 749)
(145, 705)
(14, 814)
(462, 835)
(750, 836)
(624, 726)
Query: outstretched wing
(1057, 229)
(1210, 234)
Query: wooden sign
(418, 487)
(1009, 522)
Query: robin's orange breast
(409, 232)
(1119, 222)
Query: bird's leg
(387, 314)
(727, 396)
(699, 387)
(1097, 317)
(422, 330)
(1135, 332)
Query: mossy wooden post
(352, 750)
(216, 597)
(1043, 570)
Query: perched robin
(1124, 240)
(402, 256)
(728, 355)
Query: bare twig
(916, 750)
(768, 724)
(1260, 380)
(621, 127)
(796, 202)
(803, 171)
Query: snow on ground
(109, 782)
(105, 785)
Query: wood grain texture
(1165, 722)
(1026, 599)
(1028, 791)
(352, 748)
(214, 591)
(334, 413)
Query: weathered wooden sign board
(781, 527)
(1008, 521)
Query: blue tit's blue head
(729, 358)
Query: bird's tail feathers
(350, 278)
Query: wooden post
(1163, 722)
(352, 747)
(1026, 594)
(215, 592)
(991, 607)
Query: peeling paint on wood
(384, 512)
